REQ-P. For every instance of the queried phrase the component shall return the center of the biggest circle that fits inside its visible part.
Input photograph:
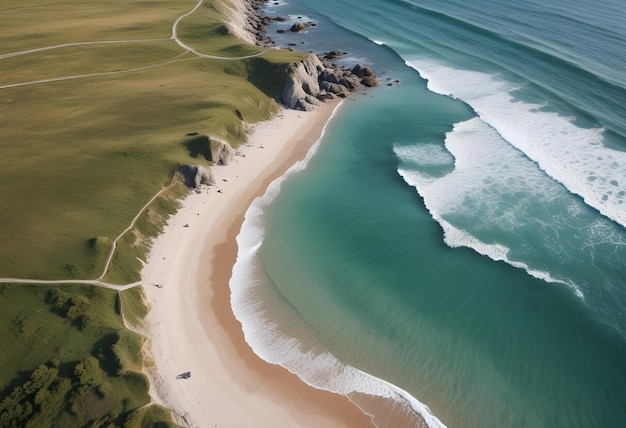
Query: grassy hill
(80, 157)
(97, 103)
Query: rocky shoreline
(316, 78)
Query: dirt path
(188, 49)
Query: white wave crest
(259, 307)
(493, 188)
(574, 156)
(425, 155)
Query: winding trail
(74, 281)
(80, 76)
(66, 45)
(107, 265)
(188, 49)
(173, 38)
(192, 50)
(100, 280)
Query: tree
(58, 298)
(78, 306)
(88, 371)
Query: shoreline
(191, 326)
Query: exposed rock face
(297, 27)
(314, 79)
(333, 54)
(370, 82)
(363, 71)
(311, 80)
(302, 84)
(221, 153)
(194, 175)
(239, 13)
(214, 150)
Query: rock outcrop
(297, 27)
(216, 151)
(314, 79)
(302, 84)
(194, 175)
(240, 15)
(221, 153)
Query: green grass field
(64, 365)
(79, 157)
(89, 133)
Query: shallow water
(460, 234)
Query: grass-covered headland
(97, 102)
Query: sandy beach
(191, 326)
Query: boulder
(333, 54)
(194, 175)
(297, 27)
(363, 71)
(350, 81)
(370, 82)
(329, 75)
(335, 88)
(308, 103)
(325, 96)
(221, 153)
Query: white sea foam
(492, 192)
(574, 156)
(258, 306)
(425, 155)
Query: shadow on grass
(20, 378)
(268, 76)
(199, 145)
(103, 351)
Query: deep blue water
(458, 239)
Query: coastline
(191, 326)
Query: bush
(78, 306)
(58, 298)
(41, 378)
(88, 371)
(85, 320)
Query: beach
(190, 326)
(458, 237)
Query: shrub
(88, 371)
(58, 298)
(78, 306)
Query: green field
(67, 360)
(97, 104)
(80, 157)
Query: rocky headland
(308, 84)
(313, 80)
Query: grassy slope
(78, 158)
(35, 333)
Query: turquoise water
(457, 240)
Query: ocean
(456, 241)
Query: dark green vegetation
(67, 360)
(89, 134)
